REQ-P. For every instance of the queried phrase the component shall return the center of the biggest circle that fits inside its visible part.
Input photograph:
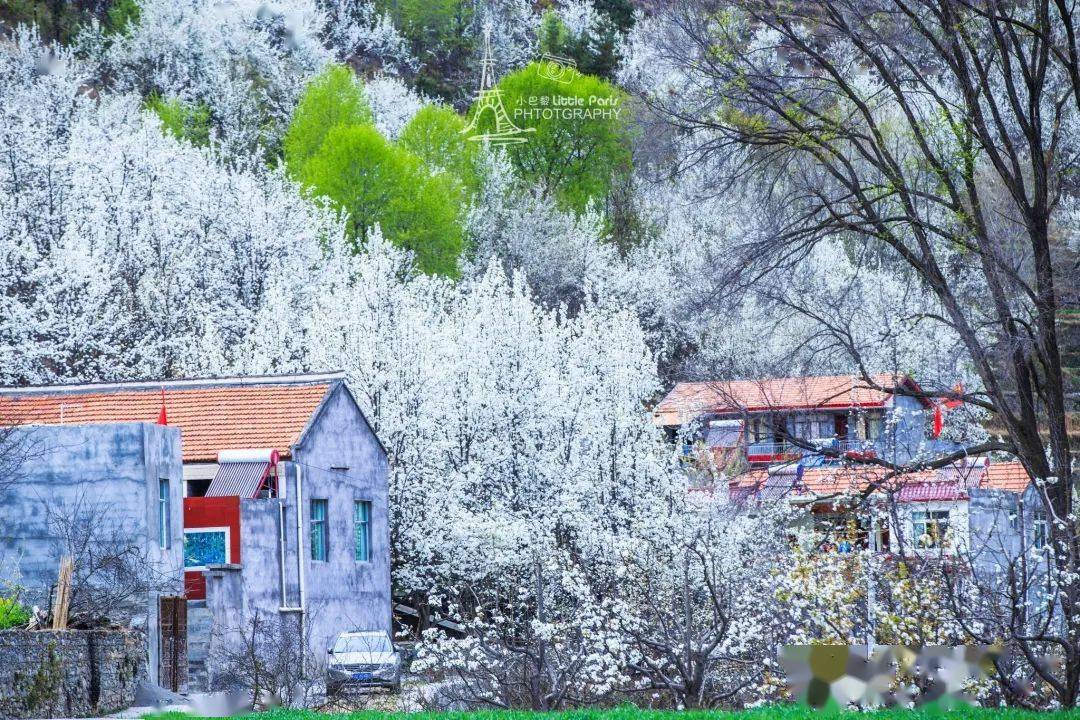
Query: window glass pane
(204, 548)
(1042, 530)
(164, 524)
(318, 530)
(929, 527)
(363, 530)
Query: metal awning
(931, 491)
(238, 478)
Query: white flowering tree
(130, 253)
(693, 606)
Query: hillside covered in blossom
(194, 188)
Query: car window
(363, 643)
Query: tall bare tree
(939, 136)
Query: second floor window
(362, 520)
(164, 513)
(929, 528)
(318, 530)
(1040, 530)
(872, 427)
(803, 430)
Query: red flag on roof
(941, 407)
(162, 418)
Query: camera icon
(556, 68)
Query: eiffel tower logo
(489, 97)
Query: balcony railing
(785, 450)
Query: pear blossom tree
(691, 606)
(128, 252)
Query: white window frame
(927, 516)
(164, 513)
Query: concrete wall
(68, 674)
(994, 528)
(109, 473)
(904, 429)
(342, 461)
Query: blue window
(362, 521)
(205, 547)
(318, 530)
(164, 514)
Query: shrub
(185, 121)
(13, 614)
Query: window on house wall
(318, 530)
(928, 528)
(756, 430)
(164, 514)
(824, 428)
(1040, 529)
(872, 427)
(804, 429)
(362, 521)
(205, 546)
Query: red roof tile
(227, 414)
(1009, 476)
(688, 400)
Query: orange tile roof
(1009, 476)
(227, 414)
(688, 400)
(835, 480)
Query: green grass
(775, 712)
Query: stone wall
(69, 673)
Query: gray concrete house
(114, 490)
(284, 502)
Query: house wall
(994, 528)
(108, 472)
(342, 462)
(904, 436)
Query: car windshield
(374, 643)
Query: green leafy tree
(594, 51)
(332, 99)
(189, 122)
(13, 614)
(581, 132)
(122, 14)
(552, 36)
(435, 136)
(438, 34)
(376, 182)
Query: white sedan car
(364, 659)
